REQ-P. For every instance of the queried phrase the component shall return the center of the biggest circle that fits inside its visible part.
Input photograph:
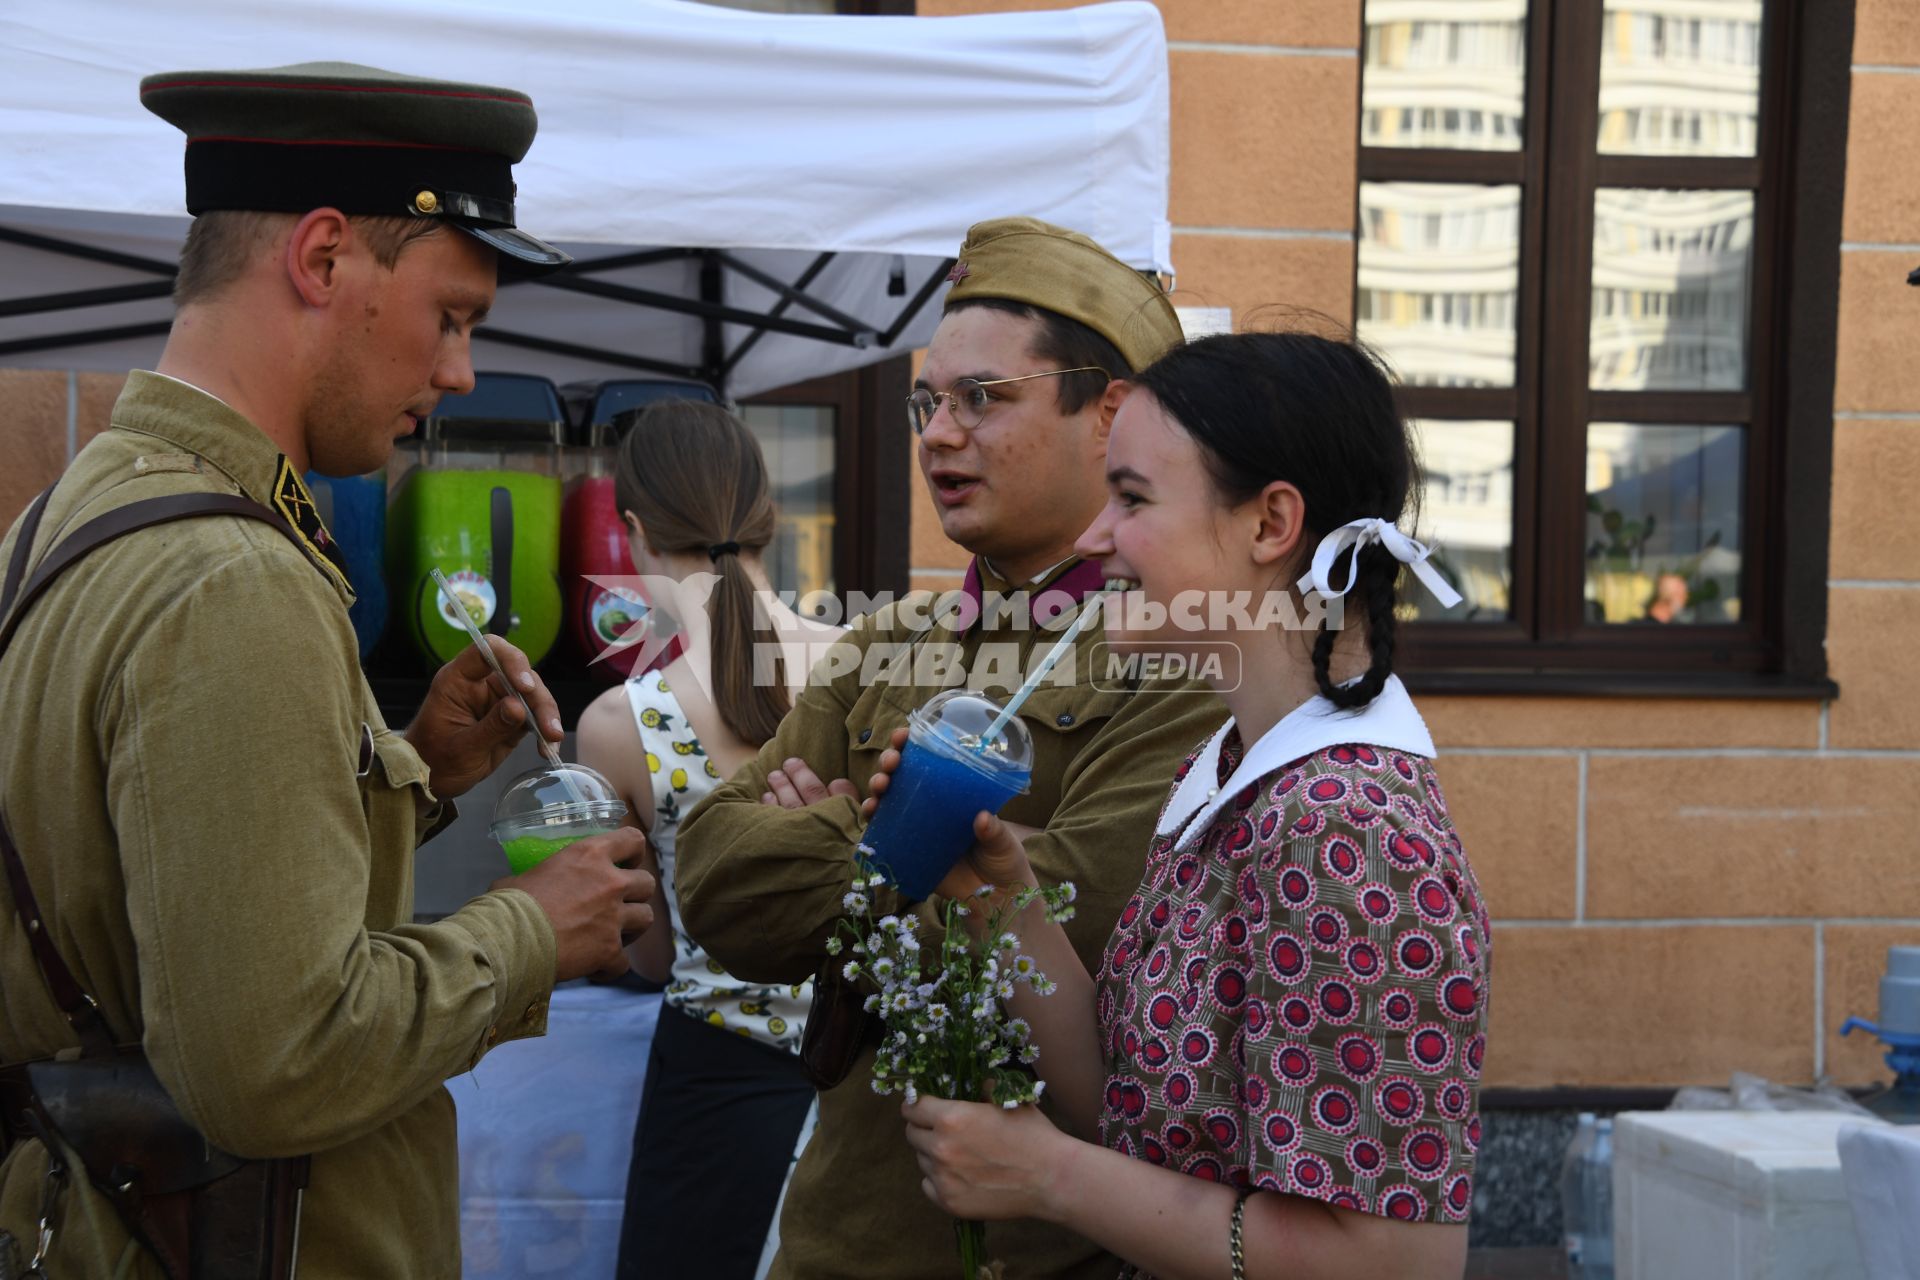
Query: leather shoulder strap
(82, 1013)
(143, 514)
(23, 549)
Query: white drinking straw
(1088, 612)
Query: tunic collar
(1389, 721)
(1059, 589)
(201, 423)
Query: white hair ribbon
(1360, 533)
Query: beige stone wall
(1680, 888)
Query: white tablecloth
(546, 1131)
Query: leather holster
(204, 1213)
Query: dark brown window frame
(1797, 174)
(872, 471)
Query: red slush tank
(593, 544)
(593, 538)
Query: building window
(1574, 248)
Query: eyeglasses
(967, 398)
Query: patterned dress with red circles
(1297, 999)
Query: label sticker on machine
(612, 613)
(475, 592)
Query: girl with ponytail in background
(725, 1097)
(1275, 1071)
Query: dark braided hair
(1317, 412)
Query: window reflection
(1466, 516)
(1439, 280)
(1680, 77)
(1663, 523)
(1670, 282)
(1444, 73)
(798, 442)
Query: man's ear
(313, 255)
(1281, 520)
(1110, 400)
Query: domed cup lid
(961, 717)
(550, 796)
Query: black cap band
(469, 187)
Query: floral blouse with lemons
(682, 776)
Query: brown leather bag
(203, 1213)
(838, 1027)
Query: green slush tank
(477, 496)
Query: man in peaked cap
(1012, 410)
(212, 824)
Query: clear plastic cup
(947, 776)
(546, 809)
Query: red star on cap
(958, 273)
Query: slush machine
(478, 497)
(593, 538)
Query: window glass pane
(1439, 280)
(1663, 523)
(1466, 516)
(1444, 73)
(1670, 279)
(1680, 77)
(798, 443)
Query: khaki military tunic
(186, 718)
(761, 887)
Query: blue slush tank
(354, 509)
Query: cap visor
(521, 254)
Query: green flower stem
(973, 1248)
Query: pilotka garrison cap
(1027, 260)
(357, 139)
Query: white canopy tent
(751, 199)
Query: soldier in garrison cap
(211, 823)
(1042, 329)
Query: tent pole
(29, 240)
(508, 338)
(702, 309)
(713, 346)
(807, 277)
(84, 298)
(54, 341)
(793, 294)
(621, 261)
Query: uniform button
(1065, 719)
(535, 1009)
(864, 735)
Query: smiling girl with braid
(1275, 1070)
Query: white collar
(1389, 721)
(1035, 580)
(189, 386)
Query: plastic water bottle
(1576, 1224)
(1597, 1261)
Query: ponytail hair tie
(1359, 534)
(719, 549)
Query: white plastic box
(1726, 1195)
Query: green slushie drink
(546, 809)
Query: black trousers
(719, 1115)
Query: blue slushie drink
(947, 775)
